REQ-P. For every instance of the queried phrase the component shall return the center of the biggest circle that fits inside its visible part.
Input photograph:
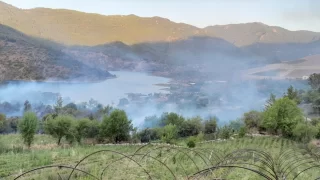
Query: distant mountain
(173, 59)
(252, 33)
(26, 58)
(78, 28)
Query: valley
(91, 96)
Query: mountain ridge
(80, 28)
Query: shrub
(304, 132)
(28, 127)
(242, 132)
(191, 143)
(169, 133)
(225, 132)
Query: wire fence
(158, 161)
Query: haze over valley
(138, 89)
(69, 46)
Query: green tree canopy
(59, 127)
(210, 126)
(270, 101)
(304, 132)
(116, 127)
(169, 133)
(282, 117)
(191, 127)
(171, 118)
(293, 94)
(314, 81)
(3, 123)
(28, 127)
(252, 119)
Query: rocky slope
(26, 58)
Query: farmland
(270, 156)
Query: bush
(28, 127)
(242, 132)
(191, 143)
(169, 133)
(225, 132)
(304, 132)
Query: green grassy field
(158, 161)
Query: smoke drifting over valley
(160, 66)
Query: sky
(290, 14)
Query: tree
(190, 127)
(314, 81)
(293, 94)
(304, 132)
(27, 106)
(12, 123)
(270, 101)
(82, 128)
(59, 127)
(28, 127)
(225, 132)
(3, 123)
(252, 119)
(169, 133)
(282, 117)
(236, 125)
(315, 121)
(93, 129)
(242, 132)
(151, 121)
(318, 131)
(58, 107)
(171, 118)
(116, 127)
(210, 126)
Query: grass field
(158, 161)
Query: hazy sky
(290, 14)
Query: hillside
(252, 33)
(78, 28)
(183, 58)
(297, 69)
(26, 58)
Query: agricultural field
(240, 158)
(286, 70)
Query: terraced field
(247, 158)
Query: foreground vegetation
(162, 161)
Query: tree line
(281, 116)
